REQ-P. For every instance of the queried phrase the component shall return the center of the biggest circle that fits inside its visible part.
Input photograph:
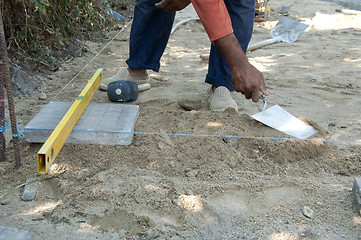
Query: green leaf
(40, 4)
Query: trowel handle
(263, 43)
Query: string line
(169, 134)
(204, 135)
(3, 128)
(126, 25)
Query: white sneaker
(221, 99)
(122, 74)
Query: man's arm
(245, 77)
(217, 23)
(213, 14)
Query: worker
(229, 25)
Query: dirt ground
(189, 186)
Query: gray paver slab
(101, 123)
(7, 233)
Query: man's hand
(249, 81)
(172, 5)
(245, 77)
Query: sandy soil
(197, 187)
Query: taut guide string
(182, 134)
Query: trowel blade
(279, 119)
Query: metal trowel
(278, 118)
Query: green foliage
(70, 17)
(28, 20)
(42, 27)
(40, 4)
(55, 219)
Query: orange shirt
(214, 17)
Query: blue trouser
(151, 30)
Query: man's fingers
(172, 5)
(255, 96)
(263, 87)
(265, 92)
(161, 5)
(248, 95)
(158, 5)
